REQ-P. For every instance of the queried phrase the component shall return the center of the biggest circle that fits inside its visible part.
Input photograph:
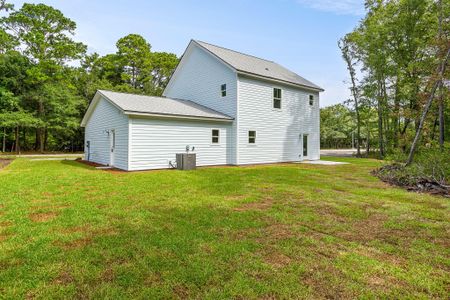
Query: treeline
(397, 58)
(47, 79)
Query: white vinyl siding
(278, 131)
(155, 142)
(199, 78)
(107, 117)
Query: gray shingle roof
(258, 66)
(131, 103)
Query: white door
(305, 146)
(112, 143)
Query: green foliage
(43, 30)
(336, 126)
(39, 89)
(163, 64)
(398, 46)
(133, 53)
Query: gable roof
(132, 104)
(252, 65)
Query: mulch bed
(4, 162)
(89, 163)
(389, 174)
(94, 164)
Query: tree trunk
(17, 140)
(36, 140)
(4, 140)
(441, 118)
(380, 121)
(396, 118)
(437, 84)
(45, 147)
(348, 59)
(24, 138)
(41, 130)
(368, 144)
(441, 96)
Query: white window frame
(277, 98)
(213, 136)
(311, 98)
(248, 137)
(223, 89)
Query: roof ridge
(142, 95)
(185, 101)
(242, 53)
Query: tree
(163, 65)
(50, 95)
(395, 44)
(135, 56)
(336, 126)
(349, 54)
(436, 86)
(44, 33)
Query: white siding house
(233, 108)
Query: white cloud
(340, 7)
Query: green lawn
(274, 231)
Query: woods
(47, 78)
(396, 59)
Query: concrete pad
(323, 162)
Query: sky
(301, 35)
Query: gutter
(174, 116)
(318, 89)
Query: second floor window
(223, 90)
(311, 100)
(276, 98)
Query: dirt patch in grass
(181, 291)
(153, 279)
(263, 204)
(64, 278)
(5, 224)
(43, 217)
(108, 275)
(367, 230)
(89, 235)
(75, 244)
(277, 259)
(276, 232)
(3, 237)
(321, 273)
(4, 162)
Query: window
(215, 136)
(311, 100)
(276, 98)
(252, 137)
(223, 89)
